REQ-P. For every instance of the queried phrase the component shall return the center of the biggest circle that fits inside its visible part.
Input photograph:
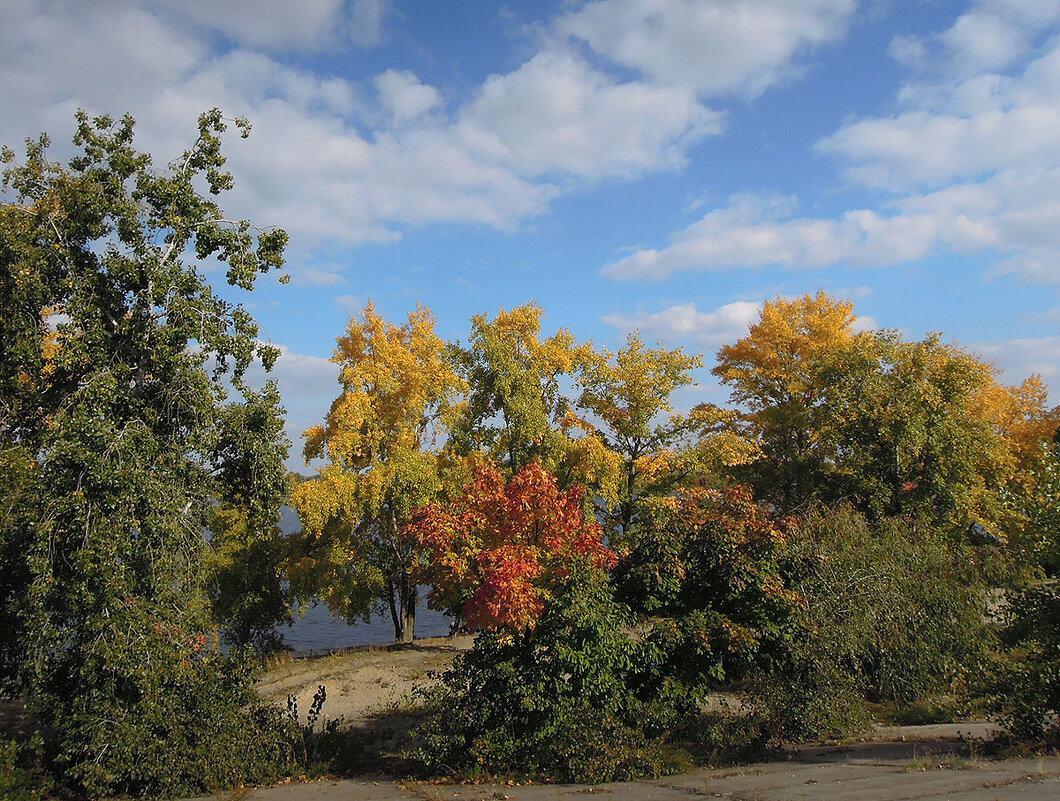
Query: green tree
(908, 431)
(516, 411)
(895, 427)
(247, 548)
(398, 388)
(1027, 678)
(891, 612)
(706, 572)
(556, 700)
(114, 357)
(628, 397)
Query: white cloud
(311, 276)
(267, 24)
(557, 114)
(711, 46)
(351, 302)
(758, 231)
(308, 385)
(685, 323)
(1019, 358)
(320, 162)
(988, 100)
(1052, 316)
(367, 21)
(404, 96)
(971, 163)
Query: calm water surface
(317, 630)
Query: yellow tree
(775, 374)
(1021, 416)
(398, 387)
(517, 412)
(898, 427)
(628, 396)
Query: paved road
(931, 765)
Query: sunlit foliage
(116, 358)
(497, 550)
(397, 388)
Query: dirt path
(930, 764)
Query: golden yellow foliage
(398, 386)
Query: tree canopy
(398, 388)
(116, 357)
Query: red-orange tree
(497, 550)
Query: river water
(317, 630)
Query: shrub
(1027, 681)
(184, 728)
(21, 776)
(553, 701)
(893, 612)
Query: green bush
(1027, 679)
(22, 777)
(893, 613)
(181, 729)
(555, 701)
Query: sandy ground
(361, 684)
(371, 690)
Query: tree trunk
(395, 614)
(402, 592)
(408, 608)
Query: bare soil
(363, 684)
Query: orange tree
(495, 551)
(775, 376)
(548, 687)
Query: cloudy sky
(665, 165)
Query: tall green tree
(247, 593)
(628, 399)
(115, 358)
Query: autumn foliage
(497, 549)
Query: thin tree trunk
(395, 616)
(408, 609)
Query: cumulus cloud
(267, 24)
(557, 114)
(312, 276)
(970, 163)
(711, 46)
(685, 323)
(308, 384)
(405, 97)
(758, 231)
(351, 302)
(985, 98)
(330, 160)
(1019, 358)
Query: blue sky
(666, 165)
